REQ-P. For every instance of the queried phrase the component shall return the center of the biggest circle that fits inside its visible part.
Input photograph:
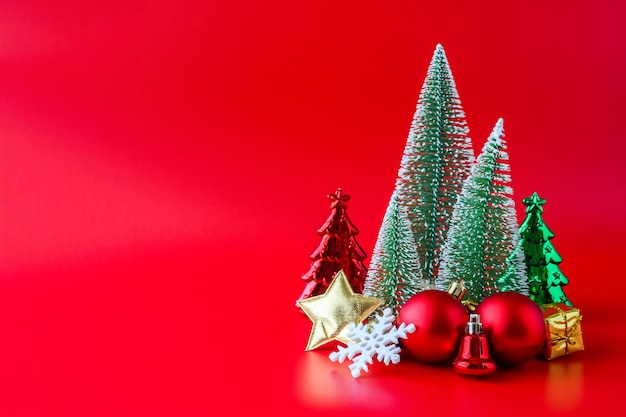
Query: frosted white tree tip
(378, 338)
(496, 135)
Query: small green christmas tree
(394, 274)
(483, 235)
(437, 158)
(545, 279)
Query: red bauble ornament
(514, 326)
(440, 320)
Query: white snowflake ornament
(377, 338)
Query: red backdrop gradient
(164, 167)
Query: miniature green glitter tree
(483, 236)
(394, 274)
(545, 279)
(437, 159)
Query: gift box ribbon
(563, 334)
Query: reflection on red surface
(327, 385)
(565, 386)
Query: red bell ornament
(474, 358)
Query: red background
(164, 167)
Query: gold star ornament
(333, 311)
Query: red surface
(164, 167)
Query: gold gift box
(564, 334)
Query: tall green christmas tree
(394, 274)
(437, 158)
(483, 233)
(545, 279)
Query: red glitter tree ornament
(337, 251)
